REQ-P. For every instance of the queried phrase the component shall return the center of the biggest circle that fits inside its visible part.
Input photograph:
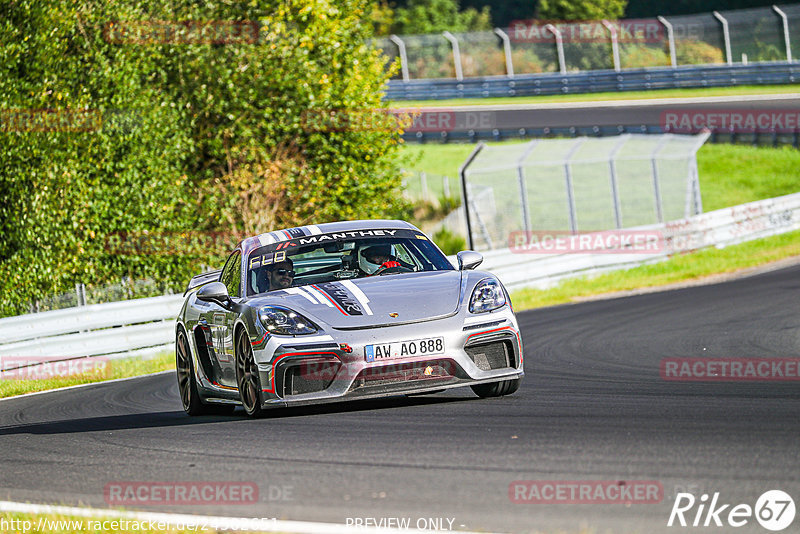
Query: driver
(376, 258)
(280, 275)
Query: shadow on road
(179, 418)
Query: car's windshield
(339, 256)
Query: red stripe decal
(330, 299)
(282, 356)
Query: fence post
(656, 184)
(726, 36)
(456, 54)
(523, 190)
(462, 172)
(446, 186)
(401, 49)
(614, 43)
(80, 291)
(562, 66)
(673, 59)
(423, 184)
(573, 216)
(786, 41)
(507, 49)
(612, 167)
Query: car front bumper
(333, 365)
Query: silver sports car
(338, 311)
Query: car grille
(406, 372)
(308, 377)
(494, 355)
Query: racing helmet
(366, 254)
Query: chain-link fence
(584, 184)
(529, 47)
(84, 295)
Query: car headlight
(488, 295)
(285, 322)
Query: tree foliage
(188, 138)
(580, 9)
(436, 16)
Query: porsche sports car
(339, 311)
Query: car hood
(374, 301)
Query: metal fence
(530, 47)
(583, 184)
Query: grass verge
(744, 90)
(679, 268)
(122, 368)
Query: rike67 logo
(774, 510)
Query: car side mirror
(468, 259)
(214, 292)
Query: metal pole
(423, 183)
(523, 191)
(614, 43)
(401, 49)
(671, 40)
(786, 41)
(456, 54)
(573, 216)
(612, 167)
(462, 172)
(656, 184)
(446, 186)
(726, 36)
(559, 47)
(507, 49)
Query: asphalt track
(602, 114)
(593, 406)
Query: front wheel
(496, 389)
(247, 377)
(187, 385)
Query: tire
(247, 377)
(193, 405)
(496, 389)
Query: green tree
(211, 135)
(436, 16)
(580, 9)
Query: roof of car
(277, 236)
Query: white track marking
(82, 385)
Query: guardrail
(145, 327)
(140, 327)
(682, 77)
(718, 228)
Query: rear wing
(201, 279)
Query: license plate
(404, 349)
